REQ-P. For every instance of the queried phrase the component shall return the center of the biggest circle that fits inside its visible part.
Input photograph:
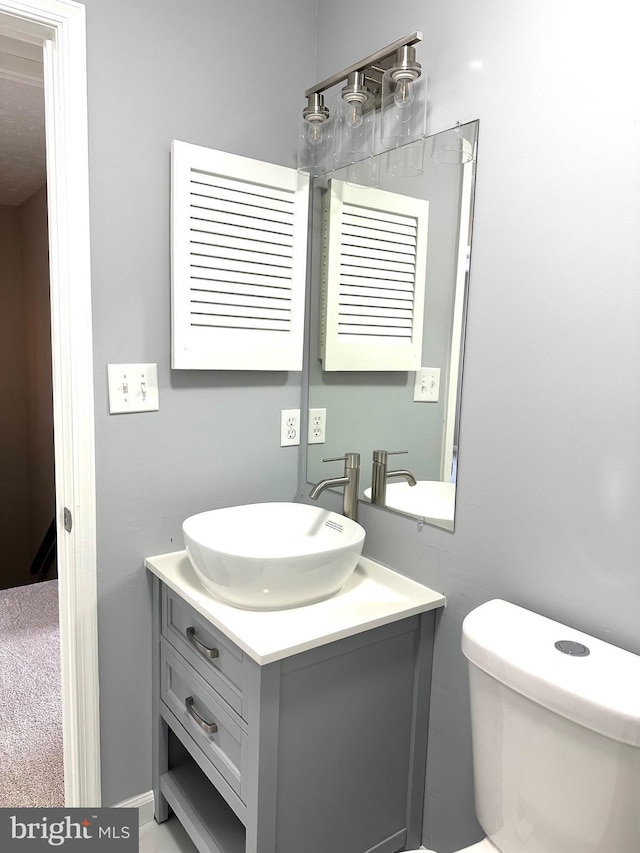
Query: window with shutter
(374, 271)
(239, 237)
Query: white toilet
(556, 735)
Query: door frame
(59, 26)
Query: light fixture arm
(377, 62)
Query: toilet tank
(556, 735)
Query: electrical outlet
(317, 426)
(289, 427)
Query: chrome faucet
(350, 480)
(380, 475)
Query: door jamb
(59, 26)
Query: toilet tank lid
(600, 691)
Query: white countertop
(374, 595)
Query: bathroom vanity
(292, 731)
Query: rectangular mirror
(368, 281)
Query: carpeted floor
(31, 768)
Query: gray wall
(548, 489)
(210, 73)
(549, 476)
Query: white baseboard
(144, 803)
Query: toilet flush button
(569, 647)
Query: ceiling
(22, 139)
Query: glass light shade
(403, 114)
(315, 140)
(406, 161)
(353, 136)
(365, 173)
(453, 148)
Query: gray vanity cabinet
(320, 752)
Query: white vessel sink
(429, 499)
(269, 556)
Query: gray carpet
(31, 768)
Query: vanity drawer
(197, 707)
(219, 661)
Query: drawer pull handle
(210, 728)
(205, 650)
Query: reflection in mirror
(387, 243)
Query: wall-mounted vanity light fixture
(381, 106)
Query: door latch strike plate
(68, 520)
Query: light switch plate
(133, 388)
(427, 387)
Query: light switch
(427, 387)
(133, 388)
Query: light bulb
(403, 95)
(354, 115)
(314, 132)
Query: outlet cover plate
(317, 426)
(289, 427)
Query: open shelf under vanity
(202, 811)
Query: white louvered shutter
(375, 263)
(239, 243)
